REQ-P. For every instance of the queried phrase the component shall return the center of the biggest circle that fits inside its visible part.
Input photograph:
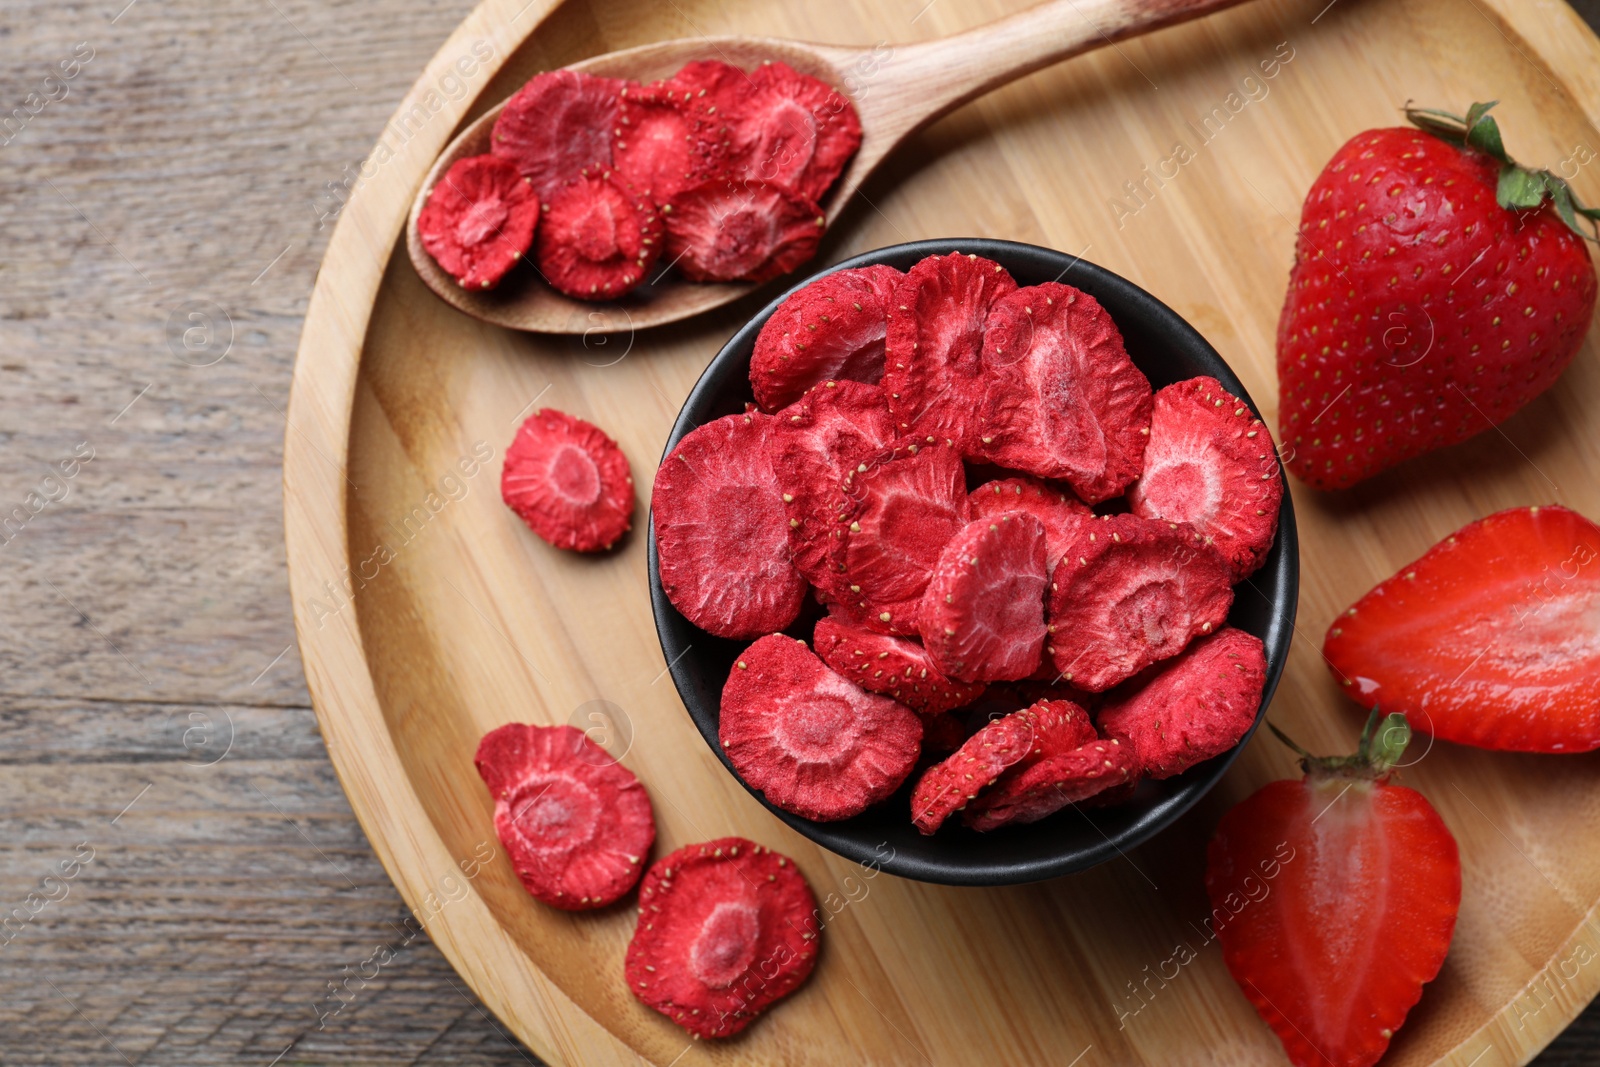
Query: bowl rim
(1197, 781)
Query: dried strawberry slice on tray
(576, 824)
(893, 666)
(814, 743)
(479, 220)
(833, 329)
(740, 230)
(568, 481)
(722, 538)
(598, 240)
(982, 614)
(556, 126)
(726, 929)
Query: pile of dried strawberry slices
(1022, 556)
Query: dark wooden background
(162, 224)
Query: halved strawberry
(892, 666)
(722, 539)
(1061, 397)
(568, 481)
(479, 220)
(598, 240)
(1335, 898)
(556, 126)
(1130, 592)
(982, 615)
(933, 348)
(830, 330)
(898, 511)
(1210, 463)
(1039, 789)
(1489, 639)
(1062, 513)
(811, 741)
(739, 230)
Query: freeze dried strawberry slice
(830, 330)
(982, 615)
(892, 666)
(479, 220)
(598, 240)
(1063, 399)
(1197, 705)
(725, 929)
(576, 823)
(1061, 513)
(815, 443)
(1211, 463)
(1041, 789)
(946, 788)
(557, 125)
(811, 741)
(1059, 727)
(793, 130)
(934, 346)
(657, 149)
(722, 539)
(737, 230)
(895, 518)
(568, 481)
(1129, 592)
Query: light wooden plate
(428, 615)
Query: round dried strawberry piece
(657, 149)
(830, 330)
(740, 230)
(815, 443)
(479, 220)
(793, 130)
(556, 126)
(725, 930)
(812, 742)
(568, 481)
(945, 788)
(1130, 592)
(1062, 400)
(1211, 463)
(898, 510)
(1197, 705)
(1044, 788)
(598, 240)
(933, 346)
(1062, 513)
(982, 615)
(892, 666)
(576, 824)
(722, 539)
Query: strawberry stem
(1379, 751)
(1519, 188)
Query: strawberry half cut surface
(1130, 592)
(933, 350)
(1334, 898)
(814, 743)
(1437, 288)
(1062, 513)
(1043, 787)
(830, 330)
(725, 929)
(568, 481)
(896, 517)
(598, 240)
(947, 787)
(815, 443)
(1195, 706)
(1491, 639)
(1210, 463)
(722, 539)
(557, 125)
(1062, 398)
(479, 220)
(726, 230)
(893, 666)
(576, 824)
(982, 615)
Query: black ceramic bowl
(1167, 349)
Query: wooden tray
(464, 620)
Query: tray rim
(338, 677)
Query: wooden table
(164, 212)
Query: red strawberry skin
(1419, 311)
(1334, 898)
(1490, 639)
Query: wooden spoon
(895, 89)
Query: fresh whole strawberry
(1489, 639)
(1334, 898)
(1437, 288)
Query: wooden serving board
(461, 620)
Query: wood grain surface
(152, 714)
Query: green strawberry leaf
(1520, 189)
